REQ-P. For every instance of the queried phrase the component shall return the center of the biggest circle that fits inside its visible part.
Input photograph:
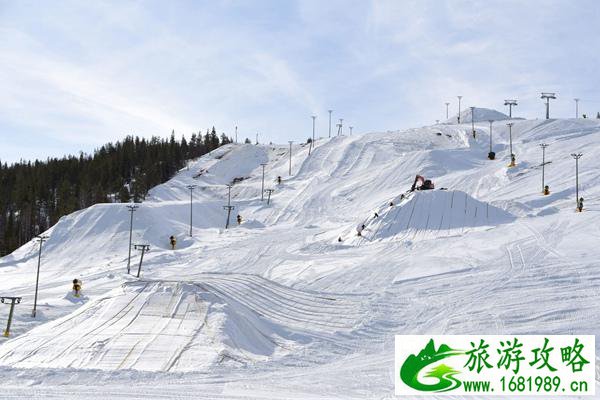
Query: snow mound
(479, 114)
(183, 326)
(434, 213)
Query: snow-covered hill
(478, 114)
(279, 307)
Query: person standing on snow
(580, 204)
(359, 230)
(173, 242)
(76, 287)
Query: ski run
(292, 303)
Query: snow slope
(277, 307)
(478, 115)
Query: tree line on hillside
(35, 195)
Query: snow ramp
(222, 319)
(433, 213)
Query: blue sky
(76, 74)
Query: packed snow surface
(292, 303)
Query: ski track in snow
(276, 307)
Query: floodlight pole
(473, 121)
(269, 191)
(548, 96)
(576, 108)
(543, 146)
(459, 98)
(312, 141)
(510, 104)
(262, 186)
(329, 111)
(132, 208)
(13, 301)
(228, 207)
(510, 124)
(576, 156)
(491, 122)
(350, 127)
(41, 240)
(191, 187)
(236, 134)
(290, 142)
(144, 248)
(256, 137)
(447, 105)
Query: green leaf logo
(409, 372)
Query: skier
(339, 239)
(580, 204)
(173, 242)
(391, 204)
(76, 287)
(279, 180)
(239, 219)
(376, 215)
(513, 159)
(546, 190)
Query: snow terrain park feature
(291, 303)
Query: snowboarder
(391, 204)
(376, 215)
(546, 190)
(76, 287)
(279, 180)
(513, 159)
(173, 242)
(580, 204)
(340, 239)
(239, 219)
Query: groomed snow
(277, 307)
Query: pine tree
(35, 195)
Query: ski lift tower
(510, 104)
(547, 96)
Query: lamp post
(41, 239)
(473, 121)
(512, 156)
(576, 156)
(510, 104)
(350, 128)
(191, 188)
(543, 146)
(447, 105)
(576, 108)
(491, 154)
(329, 111)
(269, 191)
(290, 142)
(548, 96)
(228, 207)
(459, 98)
(132, 208)
(262, 186)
